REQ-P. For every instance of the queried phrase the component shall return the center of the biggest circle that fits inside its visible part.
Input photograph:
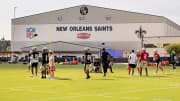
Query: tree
(4, 44)
(174, 46)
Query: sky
(167, 8)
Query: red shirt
(144, 56)
(138, 56)
(156, 56)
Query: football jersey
(45, 58)
(34, 57)
(88, 58)
(144, 56)
(157, 57)
(138, 56)
(132, 58)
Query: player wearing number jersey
(87, 62)
(44, 62)
(144, 58)
(156, 58)
(34, 61)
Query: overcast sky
(167, 8)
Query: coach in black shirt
(105, 61)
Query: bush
(175, 47)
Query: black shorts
(157, 61)
(132, 65)
(34, 65)
(173, 62)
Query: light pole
(15, 12)
(141, 33)
(12, 40)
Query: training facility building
(67, 31)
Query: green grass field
(70, 85)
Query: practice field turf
(70, 85)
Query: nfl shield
(30, 32)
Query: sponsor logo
(30, 32)
(84, 10)
(83, 36)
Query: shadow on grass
(58, 78)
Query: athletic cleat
(155, 73)
(43, 77)
(32, 75)
(51, 78)
(88, 77)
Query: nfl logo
(83, 36)
(30, 32)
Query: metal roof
(96, 15)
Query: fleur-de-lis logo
(140, 33)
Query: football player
(173, 59)
(110, 62)
(51, 65)
(87, 62)
(144, 59)
(34, 61)
(132, 60)
(44, 61)
(156, 58)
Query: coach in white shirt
(132, 62)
